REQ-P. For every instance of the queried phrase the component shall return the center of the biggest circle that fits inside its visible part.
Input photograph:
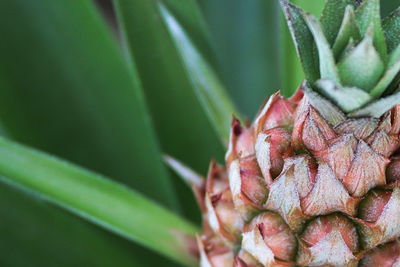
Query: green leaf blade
(391, 27)
(348, 30)
(98, 200)
(209, 89)
(332, 17)
(303, 39)
(78, 98)
(392, 70)
(369, 14)
(347, 98)
(362, 67)
(327, 61)
(166, 83)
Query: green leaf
(185, 173)
(77, 98)
(66, 89)
(378, 108)
(166, 82)
(303, 39)
(349, 47)
(292, 73)
(362, 67)
(388, 7)
(246, 41)
(326, 59)
(332, 17)
(347, 98)
(179, 119)
(37, 233)
(391, 27)
(392, 70)
(369, 14)
(208, 87)
(97, 199)
(329, 111)
(348, 30)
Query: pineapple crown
(349, 56)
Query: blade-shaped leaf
(166, 83)
(347, 98)
(179, 119)
(392, 70)
(388, 7)
(332, 17)
(97, 199)
(378, 108)
(362, 67)
(246, 41)
(77, 98)
(392, 29)
(65, 88)
(208, 87)
(303, 39)
(292, 73)
(348, 30)
(329, 111)
(369, 14)
(326, 59)
(349, 47)
(36, 233)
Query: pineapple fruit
(314, 180)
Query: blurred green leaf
(35, 233)
(182, 126)
(245, 35)
(387, 6)
(206, 83)
(66, 89)
(99, 200)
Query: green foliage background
(113, 102)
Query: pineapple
(314, 180)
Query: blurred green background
(75, 84)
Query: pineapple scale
(305, 188)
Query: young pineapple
(314, 181)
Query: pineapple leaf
(349, 47)
(329, 111)
(327, 61)
(378, 108)
(369, 14)
(362, 67)
(392, 71)
(187, 174)
(78, 99)
(98, 200)
(208, 86)
(332, 16)
(303, 40)
(348, 30)
(172, 100)
(347, 98)
(391, 27)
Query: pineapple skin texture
(304, 186)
